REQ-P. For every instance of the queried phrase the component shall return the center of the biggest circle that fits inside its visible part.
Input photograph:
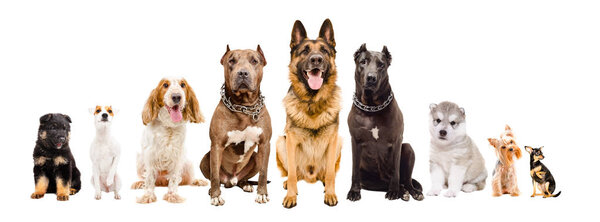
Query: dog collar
(253, 110)
(372, 109)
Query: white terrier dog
(105, 153)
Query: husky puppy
(455, 161)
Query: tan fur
(154, 102)
(60, 161)
(39, 161)
(505, 177)
(192, 111)
(62, 190)
(43, 135)
(40, 188)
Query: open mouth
(59, 145)
(175, 113)
(314, 78)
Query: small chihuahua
(505, 177)
(105, 153)
(541, 176)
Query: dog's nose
(371, 78)
(443, 133)
(104, 115)
(61, 139)
(176, 97)
(316, 59)
(243, 74)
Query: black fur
(544, 171)
(53, 142)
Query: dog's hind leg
(407, 163)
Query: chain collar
(372, 109)
(253, 111)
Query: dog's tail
(417, 185)
(256, 182)
(557, 194)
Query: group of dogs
(309, 150)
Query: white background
(531, 64)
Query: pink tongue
(315, 81)
(176, 115)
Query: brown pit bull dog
(239, 124)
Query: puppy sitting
(239, 125)
(381, 162)
(105, 153)
(505, 177)
(455, 161)
(54, 168)
(540, 174)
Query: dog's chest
(241, 142)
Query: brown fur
(505, 178)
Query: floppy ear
(151, 108)
(363, 48)
(298, 34)
(225, 55)
(432, 106)
(518, 152)
(263, 60)
(528, 149)
(192, 111)
(326, 32)
(507, 127)
(46, 118)
(67, 117)
(493, 141)
(386, 55)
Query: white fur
(375, 133)
(105, 153)
(250, 136)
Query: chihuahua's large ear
(326, 32)
(46, 118)
(528, 149)
(363, 48)
(540, 147)
(386, 55)
(225, 55)
(432, 106)
(298, 34)
(263, 60)
(151, 108)
(493, 141)
(192, 111)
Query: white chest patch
(375, 133)
(250, 136)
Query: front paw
(248, 188)
(353, 195)
(217, 201)
(393, 195)
(98, 196)
(37, 195)
(147, 198)
(62, 197)
(173, 198)
(117, 196)
(450, 193)
(289, 201)
(434, 192)
(331, 199)
(262, 198)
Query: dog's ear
(363, 48)
(432, 106)
(46, 118)
(386, 55)
(263, 60)
(518, 152)
(507, 127)
(462, 110)
(493, 141)
(528, 149)
(540, 148)
(151, 108)
(115, 111)
(225, 55)
(298, 34)
(68, 118)
(192, 111)
(92, 110)
(326, 32)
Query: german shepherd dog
(310, 148)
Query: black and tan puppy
(541, 177)
(310, 148)
(380, 161)
(239, 124)
(54, 168)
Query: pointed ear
(432, 106)
(386, 55)
(528, 149)
(462, 110)
(46, 118)
(67, 117)
(541, 147)
(298, 34)
(225, 55)
(263, 60)
(151, 108)
(192, 111)
(507, 127)
(326, 32)
(493, 141)
(363, 48)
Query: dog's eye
(306, 50)
(165, 85)
(182, 85)
(110, 111)
(380, 65)
(97, 111)
(512, 142)
(323, 50)
(363, 62)
(453, 123)
(511, 149)
(253, 61)
(438, 120)
(231, 61)
(503, 147)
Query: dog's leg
(215, 176)
(96, 181)
(497, 184)
(110, 179)
(41, 186)
(63, 180)
(354, 193)
(149, 184)
(407, 164)
(438, 179)
(174, 178)
(262, 163)
(455, 180)
(395, 190)
(292, 190)
(534, 188)
(117, 187)
(332, 156)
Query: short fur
(311, 147)
(162, 161)
(540, 175)
(54, 169)
(507, 151)
(234, 136)
(105, 153)
(380, 159)
(455, 161)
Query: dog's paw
(62, 197)
(434, 192)
(173, 198)
(138, 185)
(248, 188)
(331, 199)
(353, 195)
(496, 194)
(117, 196)
(289, 201)
(217, 201)
(199, 182)
(450, 193)
(468, 188)
(262, 198)
(147, 198)
(405, 196)
(72, 191)
(37, 195)
(98, 196)
(393, 195)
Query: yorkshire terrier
(541, 176)
(505, 177)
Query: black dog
(54, 168)
(380, 161)
(541, 177)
